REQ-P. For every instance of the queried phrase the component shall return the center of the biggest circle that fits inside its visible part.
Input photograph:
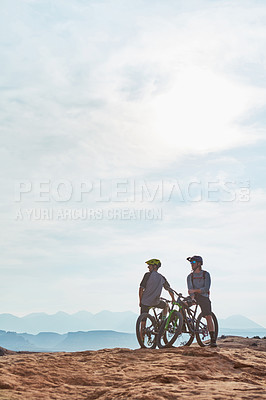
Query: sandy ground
(235, 370)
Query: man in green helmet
(151, 288)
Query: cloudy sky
(131, 130)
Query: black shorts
(145, 309)
(205, 304)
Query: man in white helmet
(199, 282)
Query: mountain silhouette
(62, 322)
(125, 321)
(71, 341)
(239, 322)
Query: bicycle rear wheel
(202, 332)
(146, 331)
(169, 330)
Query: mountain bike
(148, 327)
(192, 325)
(170, 328)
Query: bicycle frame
(181, 307)
(190, 318)
(189, 315)
(171, 312)
(156, 315)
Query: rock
(4, 352)
(236, 370)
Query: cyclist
(151, 288)
(199, 282)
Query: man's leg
(211, 330)
(144, 309)
(210, 323)
(164, 307)
(165, 311)
(142, 327)
(205, 305)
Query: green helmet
(154, 261)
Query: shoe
(213, 339)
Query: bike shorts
(145, 309)
(204, 303)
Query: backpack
(204, 275)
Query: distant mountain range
(62, 322)
(239, 322)
(81, 337)
(72, 341)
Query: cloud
(108, 93)
(136, 90)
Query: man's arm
(172, 295)
(191, 291)
(141, 291)
(168, 288)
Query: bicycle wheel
(202, 332)
(186, 337)
(169, 330)
(146, 331)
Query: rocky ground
(234, 370)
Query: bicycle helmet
(195, 258)
(154, 261)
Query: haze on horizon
(117, 106)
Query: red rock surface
(235, 370)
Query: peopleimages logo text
(130, 191)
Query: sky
(131, 130)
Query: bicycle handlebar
(168, 301)
(179, 295)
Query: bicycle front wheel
(186, 337)
(202, 332)
(146, 331)
(169, 330)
